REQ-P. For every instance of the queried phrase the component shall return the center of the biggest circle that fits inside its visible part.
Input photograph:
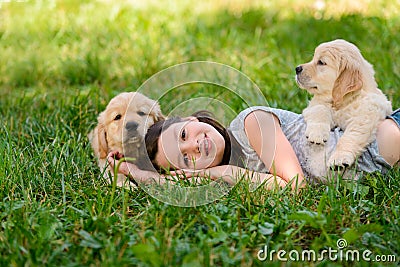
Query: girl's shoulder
(284, 116)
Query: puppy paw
(317, 133)
(341, 159)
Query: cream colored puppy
(345, 95)
(122, 126)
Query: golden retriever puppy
(345, 95)
(122, 126)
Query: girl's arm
(131, 170)
(232, 174)
(268, 140)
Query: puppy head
(124, 121)
(336, 69)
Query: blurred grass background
(120, 44)
(62, 61)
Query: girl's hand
(225, 172)
(187, 173)
(125, 168)
(232, 174)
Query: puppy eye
(141, 113)
(118, 117)
(320, 62)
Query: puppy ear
(98, 139)
(349, 80)
(102, 137)
(156, 112)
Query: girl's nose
(191, 146)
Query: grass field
(62, 61)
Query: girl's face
(190, 144)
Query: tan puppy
(345, 95)
(122, 127)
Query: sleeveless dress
(313, 158)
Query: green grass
(60, 64)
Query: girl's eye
(118, 117)
(183, 134)
(320, 62)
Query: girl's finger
(176, 172)
(111, 154)
(115, 155)
(119, 155)
(180, 174)
(186, 175)
(111, 161)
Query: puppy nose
(132, 126)
(299, 69)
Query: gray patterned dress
(312, 158)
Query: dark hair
(154, 132)
(152, 136)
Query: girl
(267, 143)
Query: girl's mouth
(206, 145)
